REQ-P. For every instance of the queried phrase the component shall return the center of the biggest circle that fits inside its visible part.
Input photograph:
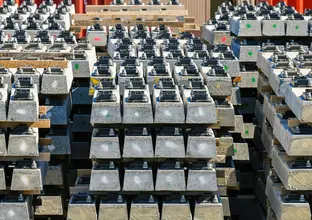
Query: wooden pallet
(33, 63)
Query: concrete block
(199, 106)
(161, 31)
(236, 99)
(105, 177)
(184, 70)
(104, 144)
(2, 178)
(299, 101)
(106, 107)
(139, 32)
(59, 45)
(168, 106)
(3, 144)
(138, 143)
(82, 207)
(217, 34)
(225, 112)
(170, 143)
(156, 70)
(202, 177)
(201, 143)
(23, 141)
(170, 177)
(6, 77)
(294, 139)
(286, 205)
(137, 107)
(84, 60)
(249, 75)
(138, 178)
(117, 28)
(176, 207)
(113, 207)
(208, 208)
(58, 111)
(56, 80)
(129, 69)
(247, 25)
(61, 140)
(218, 82)
(26, 178)
(297, 25)
(144, 207)
(24, 104)
(4, 102)
(97, 35)
(103, 69)
(34, 74)
(273, 25)
(54, 176)
(15, 207)
(51, 205)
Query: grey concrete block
(201, 143)
(26, 179)
(138, 177)
(115, 48)
(58, 111)
(3, 144)
(226, 113)
(61, 140)
(2, 178)
(113, 207)
(84, 60)
(80, 96)
(97, 35)
(273, 27)
(105, 144)
(33, 73)
(105, 177)
(217, 34)
(15, 207)
(170, 143)
(24, 141)
(56, 80)
(54, 176)
(106, 107)
(184, 70)
(157, 69)
(202, 177)
(4, 102)
(200, 107)
(297, 27)
(207, 207)
(6, 76)
(138, 143)
(218, 82)
(176, 207)
(82, 207)
(137, 107)
(24, 105)
(248, 25)
(170, 177)
(246, 51)
(168, 106)
(144, 207)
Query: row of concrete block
(138, 143)
(293, 81)
(107, 177)
(83, 207)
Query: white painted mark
(202, 180)
(202, 147)
(21, 111)
(136, 114)
(54, 84)
(104, 113)
(104, 147)
(25, 180)
(136, 147)
(104, 179)
(51, 147)
(171, 144)
(11, 213)
(137, 180)
(167, 113)
(201, 112)
(23, 146)
(168, 179)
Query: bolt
(308, 164)
(88, 199)
(176, 131)
(145, 165)
(144, 131)
(182, 198)
(302, 199)
(20, 198)
(111, 132)
(33, 165)
(177, 165)
(209, 166)
(111, 165)
(151, 199)
(215, 199)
